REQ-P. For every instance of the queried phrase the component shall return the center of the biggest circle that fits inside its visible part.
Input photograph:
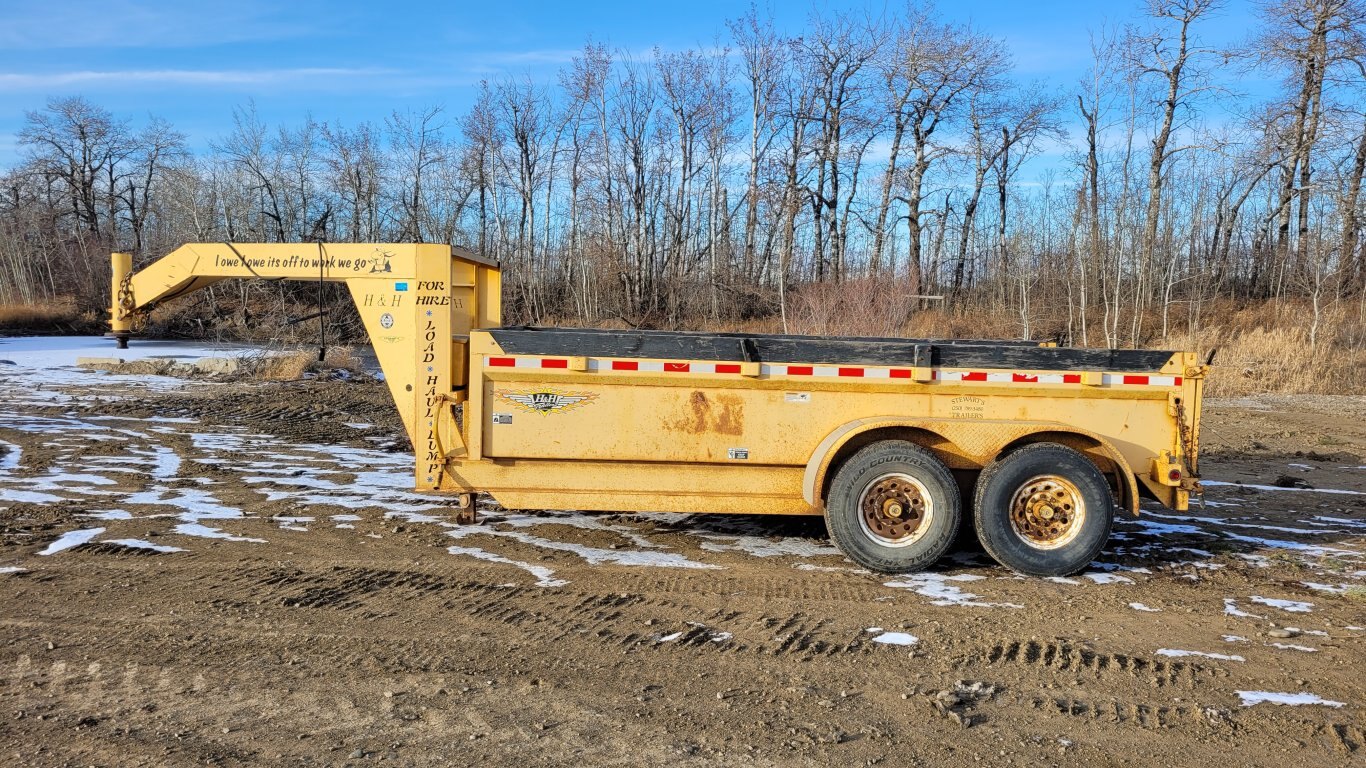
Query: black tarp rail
(948, 353)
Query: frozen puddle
(1176, 653)
(1253, 698)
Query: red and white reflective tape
(830, 371)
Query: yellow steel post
(120, 322)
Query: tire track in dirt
(1062, 656)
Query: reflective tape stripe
(830, 371)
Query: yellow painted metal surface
(411, 298)
(678, 435)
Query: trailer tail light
(1174, 475)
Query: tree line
(899, 153)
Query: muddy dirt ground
(234, 574)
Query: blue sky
(192, 62)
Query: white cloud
(543, 56)
(15, 81)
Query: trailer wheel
(893, 507)
(1043, 510)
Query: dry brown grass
(293, 365)
(60, 315)
(1264, 358)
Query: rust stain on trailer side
(724, 416)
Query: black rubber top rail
(950, 353)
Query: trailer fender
(975, 443)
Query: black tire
(920, 507)
(1058, 522)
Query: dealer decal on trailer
(546, 399)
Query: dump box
(897, 442)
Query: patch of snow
(205, 532)
(1142, 607)
(1173, 652)
(1292, 606)
(1154, 528)
(1231, 608)
(937, 587)
(166, 463)
(154, 419)
(591, 555)
(759, 546)
(1110, 567)
(896, 638)
(1283, 529)
(140, 544)
(1342, 521)
(1308, 549)
(545, 577)
(669, 638)
(10, 459)
(1335, 589)
(30, 497)
(1293, 647)
(12, 569)
(1108, 578)
(829, 568)
(1253, 698)
(1278, 488)
(1235, 639)
(110, 514)
(72, 539)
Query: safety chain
(1189, 456)
(125, 300)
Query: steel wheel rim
(895, 510)
(1047, 512)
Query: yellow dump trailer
(895, 441)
